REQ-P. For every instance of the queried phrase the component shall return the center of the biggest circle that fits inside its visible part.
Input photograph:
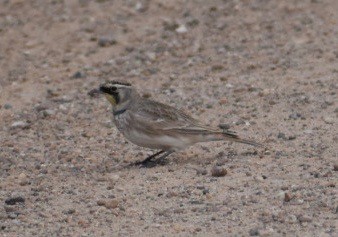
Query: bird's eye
(113, 88)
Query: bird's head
(117, 93)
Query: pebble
(281, 136)
(69, 211)
(304, 218)
(78, 75)
(297, 202)
(47, 113)
(13, 215)
(3, 215)
(201, 171)
(23, 179)
(266, 232)
(106, 41)
(181, 29)
(172, 194)
(308, 131)
(295, 116)
(218, 171)
(291, 219)
(140, 7)
(224, 126)
(335, 167)
(109, 204)
(329, 102)
(7, 106)
(329, 120)
(240, 122)
(14, 200)
(20, 124)
(287, 197)
(254, 232)
(11, 208)
(292, 137)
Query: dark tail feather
(231, 136)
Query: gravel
(260, 67)
(218, 171)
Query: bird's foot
(150, 163)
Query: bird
(155, 125)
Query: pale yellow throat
(111, 99)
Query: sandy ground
(268, 69)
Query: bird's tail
(231, 136)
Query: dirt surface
(268, 69)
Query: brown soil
(268, 69)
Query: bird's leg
(162, 158)
(149, 158)
(148, 161)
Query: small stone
(14, 200)
(335, 167)
(172, 194)
(280, 195)
(254, 232)
(295, 116)
(13, 215)
(9, 209)
(7, 106)
(258, 178)
(3, 215)
(281, 136)
(217, 67)
(287, 197)
(266, 232)
(100, 202)
(201, 171)
(140, 7)
(265, 92)
(329, 102)
(223, 101)
(109, 204)
(224, 126)
(78, 75)
(106, 41)
(304, 218)
(240, 122)
(292, 137)
(218, 171)
(20, 124)
(291, 219)
(297, 201)
(151, 56)
(23, 179)
(329, 120)
(181, 29)
(47, 112)
(69, 211)
(308, 131)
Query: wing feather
(167, 118)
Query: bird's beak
(95, 93)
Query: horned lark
(151, 124)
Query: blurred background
(266, 68)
